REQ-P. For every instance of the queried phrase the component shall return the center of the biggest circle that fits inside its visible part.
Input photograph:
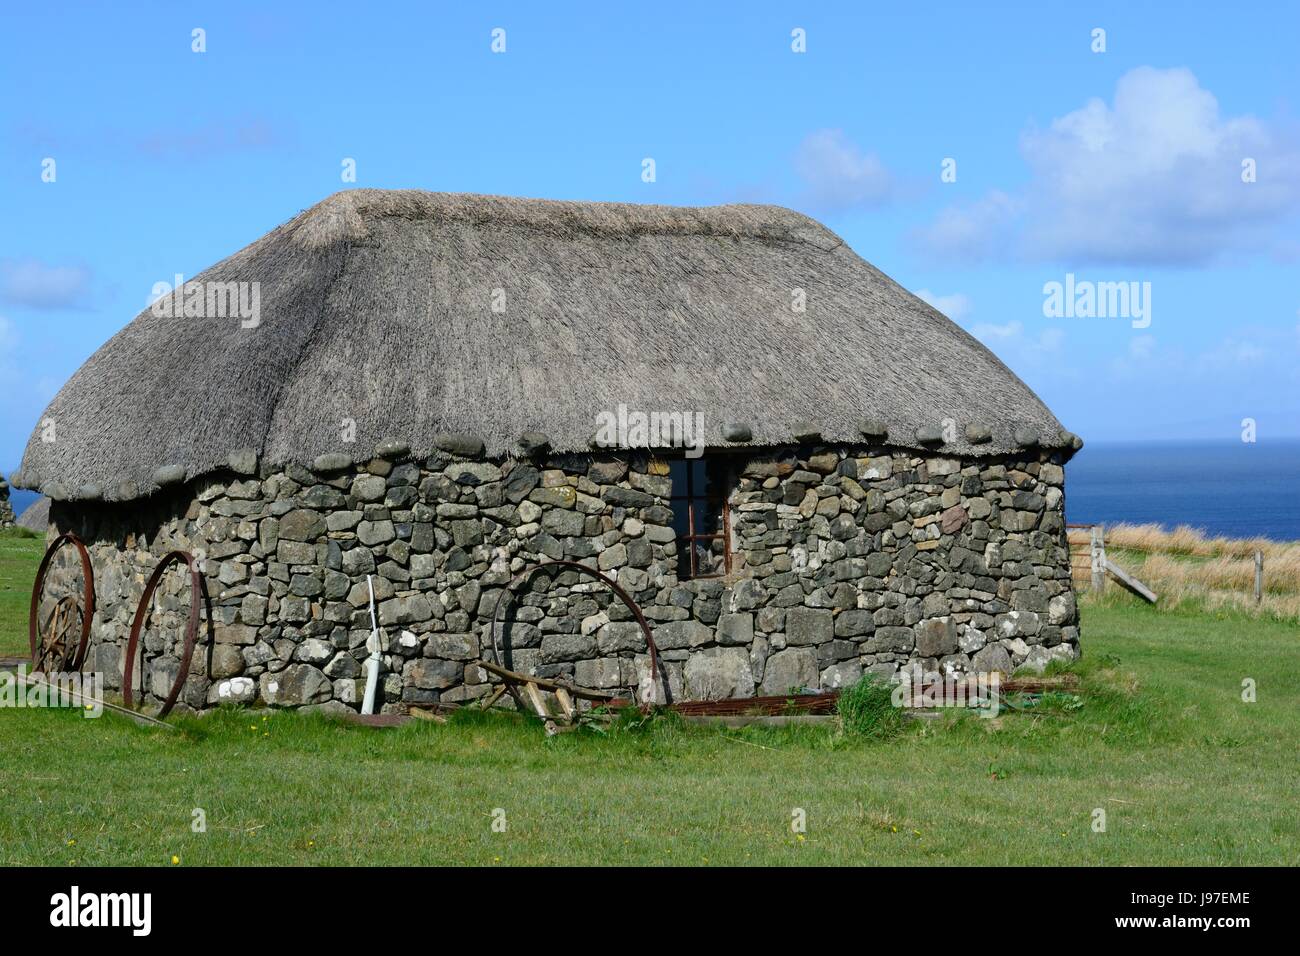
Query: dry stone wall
(7, 519)
(846, 560)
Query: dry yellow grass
(1184, 565)
(1190, 541)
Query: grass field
(1186, 772)
(20, 553)
(1190, 569)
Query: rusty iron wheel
(67, 648)
(191, 630)
(651, 649)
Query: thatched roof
(36, 516)
(412, 314)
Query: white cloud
(986, 332)
(1019, 349)
(1153, 177)
(1051, 340)
(956, 306)
(1231, 363)
(1142, 346)
(196, 138)
(15, 394)
(215, 137)
(839, 175)
(1246, 352)
(31, 283)
(973, 231)
(8, 337)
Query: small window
(699, 502)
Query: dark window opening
(699, 503)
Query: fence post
(1098, 559)
(1259, 576)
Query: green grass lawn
(1186, 772)
(20, 553)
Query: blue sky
(1115, 166)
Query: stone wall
(6, 509)
(846, 560)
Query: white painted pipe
(372, 662)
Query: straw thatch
(413, 313)
(36, 516)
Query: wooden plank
(493, 698)
(566, 703)
(518, 678)
(1130, 582)
(539, 704)
(535, 698)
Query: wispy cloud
(973, 231)
(839, 176)
(37, 285)
(1019, 348)
(10, 373)
(215, 136)
(1252, 357)
(956, 306)
(8, 338)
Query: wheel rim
(74, 642)
(191, 632)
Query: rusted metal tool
(61, 641)
(191, 629)
(508, 595)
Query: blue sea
(21, 499)
(1234, 489)
(1237, 490)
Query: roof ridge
(344, 215)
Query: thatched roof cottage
(36, 516)
(797, 469)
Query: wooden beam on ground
(425, 714)
(517, 678)
(1130, 582)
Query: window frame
(689, 497)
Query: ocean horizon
(1233, 489)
